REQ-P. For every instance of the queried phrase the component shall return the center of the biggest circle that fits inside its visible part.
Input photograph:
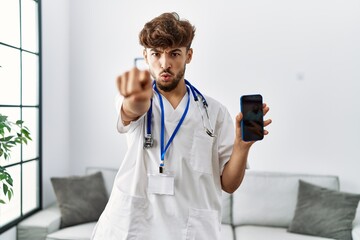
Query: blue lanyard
(193, 90)
(164, 148)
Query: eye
(155, 54)
(175, 54)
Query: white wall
(302, 56)
(55, 79)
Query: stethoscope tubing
(196, 93)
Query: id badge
(162, 183)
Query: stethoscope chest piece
(148, 141)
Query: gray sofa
(262, 208)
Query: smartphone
(252, 124)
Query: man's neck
(175, 96)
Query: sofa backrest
(264, 198)
(269, 198)
(226, 203)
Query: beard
(172, 85)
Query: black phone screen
(252, 124)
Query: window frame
(22, 216)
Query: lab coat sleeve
(226, 138)
(120, 126)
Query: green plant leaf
(5, 148)
(2, 176)
(3, 118)
(19, 134)
(5, 189)
(24, 131)
(19, 122)
(9, 180)
(9, 195)
(9, 145)
(6, 139)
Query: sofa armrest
(39, 225)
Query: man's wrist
(126, 119)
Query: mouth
(165, 76)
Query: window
(20, 99)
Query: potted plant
(11, 134)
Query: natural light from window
(20, 100)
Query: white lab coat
(196, 160)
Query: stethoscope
(148, 138)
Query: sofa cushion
(270, 233)
(40, 224)
(269, 199)
(227, 232)
(324, 212)
(81, 199)
(78, 232)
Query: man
(179, 158)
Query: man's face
(167, 66)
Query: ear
(189, 54)
(145, 56)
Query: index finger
(265, 109)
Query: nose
(165, 62)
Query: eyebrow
(171, 51)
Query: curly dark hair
(167, 31)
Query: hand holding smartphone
(252, 124)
